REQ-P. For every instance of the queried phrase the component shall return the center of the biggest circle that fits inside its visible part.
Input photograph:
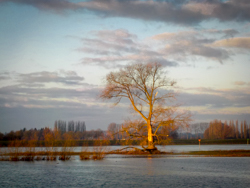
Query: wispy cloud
(239, 42)
(229, 10)
(216, 98)
(18, 95)
(177, 12)
(40, 78)
(57, 6)
(47, 90)
(111, 48)
(63, 77)
(241, 83)
(192, 43)
(4, 76)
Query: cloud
(177, 12)
(4, 76)
(208, 100)
(63, 77)
(113, 48)
(115, 61)
(241, 83)
(239, 42)
(115, 42)
(230, 10)
(119, 35)
(52, 5)
(201, 117)
(20, 91)
(28, 103)
(237, 10)
(34, 89)
(45, 117)
(216, 98)
(23, 105)
(165, 11)
(226, 33)
(230, 33)
(194, 43)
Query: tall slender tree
(245, 129)
(237, 129)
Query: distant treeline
(207, 141)
(44, 133)
(233, 130)
(76, 130)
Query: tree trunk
(151, 145)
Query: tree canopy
(148, 90)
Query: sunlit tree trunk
(150, 136)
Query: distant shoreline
(60, 143)
(43, 155)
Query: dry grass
(221, 153)
(67, 150)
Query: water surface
(117, 171)
(167, 148)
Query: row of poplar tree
(226, 130)
(74, 126)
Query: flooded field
(132, 171)
(167, 148)
(120, 171)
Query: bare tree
(145, 85)
(241, 130)
(245, 129)
(112, 130)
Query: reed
(85, 154)
(50, 144)
(15, 150)
(67, 150)
(30, 151)
(100, 150)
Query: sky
(54, 56)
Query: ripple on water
(129, 172)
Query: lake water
(118, 171)
(133, 171)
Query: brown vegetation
(67, 148)
(221, 153)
